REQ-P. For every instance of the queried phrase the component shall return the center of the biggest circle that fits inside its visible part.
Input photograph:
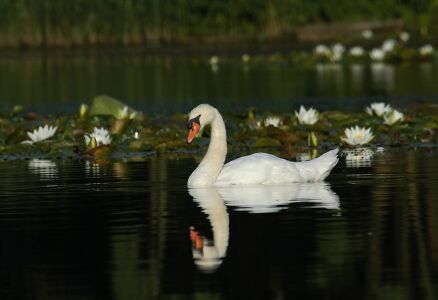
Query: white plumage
(255, 169)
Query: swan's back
(262, 168)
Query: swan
(254, 169)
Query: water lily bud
(93, 143)
(17, 109)
(312, 140)
(83, 110)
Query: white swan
(258, 168)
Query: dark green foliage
(94, 22)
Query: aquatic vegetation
(367, 34)
(337, 52)
(404, 36)
(378, 108)
(307, 117)
(282, 134)
(40, 134)
(245, 58)
(377, 54)
(273, 121)
(357, 136)
(124, 114)
(99, 137)
(426, 50)
(357, 51)
(214, 60)
(393, 117)
(83, 110)
(322, 50)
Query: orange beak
(193, 131)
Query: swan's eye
(194, 120)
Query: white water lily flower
(357, 51)
(245, 58)
(404, 36)
(322, 50)
(389, 45)
(377, 54)
(367, 34)
(274, 121)
(357, 136)
(379, 109)
(307, 117)
(100, 135)
(426, 50)
(124, 114)
(393, 117)
(40, 134)
(214, 60)
(337, 52)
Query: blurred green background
(35, 23)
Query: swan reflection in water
(208, 254)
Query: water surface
(157, 85)
(131, 230)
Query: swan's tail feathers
(325, 163)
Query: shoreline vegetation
(28, 24)
(107, 129)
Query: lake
(51, 83)
(132, 230)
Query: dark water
(158, 85)
(74, 230)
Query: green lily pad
(105, 105)
(266, 142)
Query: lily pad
(266, 142)
(105, 105)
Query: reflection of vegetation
(54, 22)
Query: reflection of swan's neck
(213, 161)
(218, 217)
(213, 206)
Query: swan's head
(205, 254)
(199, 117)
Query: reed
(36, 23)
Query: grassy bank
(30, 23)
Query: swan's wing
(263, 168)
(258, 168)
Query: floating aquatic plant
(307, 117)
(40, 134)
(378, 108)
(357, 136)
(273, 121)
(377, 54)
(367, 34)
(393, 117)
(426, 50)
(99, 137)
(357, 51)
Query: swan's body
(258, 168)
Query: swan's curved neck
(213, 161)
